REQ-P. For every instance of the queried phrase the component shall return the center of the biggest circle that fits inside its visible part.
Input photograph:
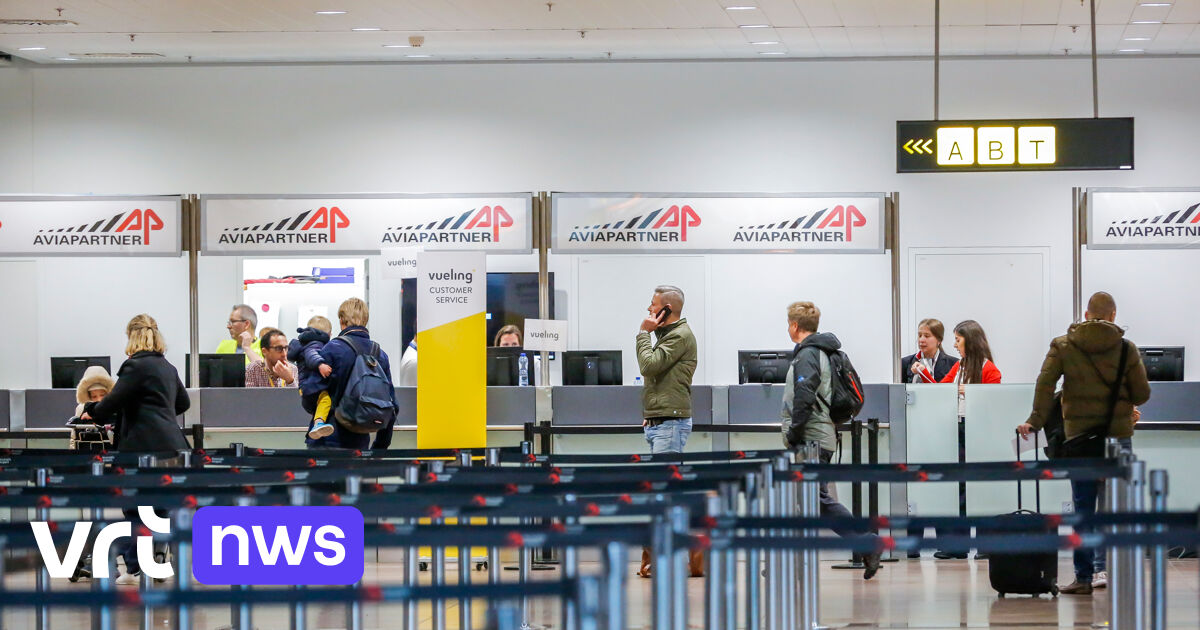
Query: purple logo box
(277, 545)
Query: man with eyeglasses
(243, 321)
(272, 370)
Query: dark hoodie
(806, 416)
(305, 352)
(1087, 358)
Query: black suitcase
(1034, 573)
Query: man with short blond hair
(340, 354)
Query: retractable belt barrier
(760, 506)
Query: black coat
(144, 405)
(943, 366)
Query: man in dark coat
(352, 316)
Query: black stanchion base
(852, 565)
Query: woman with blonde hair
(147, 397)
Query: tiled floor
(925, 594)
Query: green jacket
(1087, 358)
(667, 368)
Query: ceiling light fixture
(741, 8)
(1132, 50)
(1137, 39)
(331, 13)
(29, 48)
(1147, 22)
(1155, 4)
(66, 59)
(764, 43)
(396, 46)
(367, 28)
(771, 53)
(754, 26)
(418, 56)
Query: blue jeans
(669, 437)
(1085, 495)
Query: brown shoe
(695, 563)
(644, 570)
(1077, 588)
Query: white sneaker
(129, 579)
(320, 430)
(1100, 580)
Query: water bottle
(523, 370)
(637, 382)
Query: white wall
(724, 127)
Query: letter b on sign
(277, 545)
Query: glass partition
(932, 428)
(993, 413)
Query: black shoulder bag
(1091, 444)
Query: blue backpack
(366, 405)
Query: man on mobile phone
(667, 365)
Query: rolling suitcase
(1024, 573)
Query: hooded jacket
(805, 412)
(94, 375)
(1087, 358)
(305, 352)
(667, 366)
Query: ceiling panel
(289, 30)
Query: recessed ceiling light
(764, 43)
(28, 48)
(1147, 22)
(755, 26)
(1156, 4)
(741, 8)
(1132, 50)
(418, 56)
(331, 13)
(397, 46)
(367, 28)
(772, 53)
(1137, 39)
(66, 59)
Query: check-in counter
(613, 404)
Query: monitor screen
(763, 366)
(1163, 363)
(219, 370)
(592, 367)
(503, 367)
(512, 297)
(66, 372)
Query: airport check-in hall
(695, 314)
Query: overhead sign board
(366, 224)
(90, 226)
(716, 223)
(1130, 218)
(1054, 144)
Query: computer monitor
(219, 370)
(503, 367)
(592, 367)
(763, 366)
(66, 372)
(1163, 363)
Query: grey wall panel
(252, 407)
(1172, 402)
(49, 408)
(406, 400)
(877, 401)
(5, 423)
(510, 406)
(616, 405)
(755, 403)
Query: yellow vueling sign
(452, 354)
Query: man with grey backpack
(360, 386)
(821, 387)
(1103, 382)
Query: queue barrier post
(661, 571)
(1136, 599)
(437, 467)
(569, 609)
(1159, 490)
(729, 492)
(412, 475)
(753, 598)
(464, 564)
(811, 509)
(616, 562)
(713, 610)
(183, 579)
(679, 520)
(773, 587)
(97, 514)
(42, 615)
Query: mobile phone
(664, 313)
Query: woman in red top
(976, 367)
